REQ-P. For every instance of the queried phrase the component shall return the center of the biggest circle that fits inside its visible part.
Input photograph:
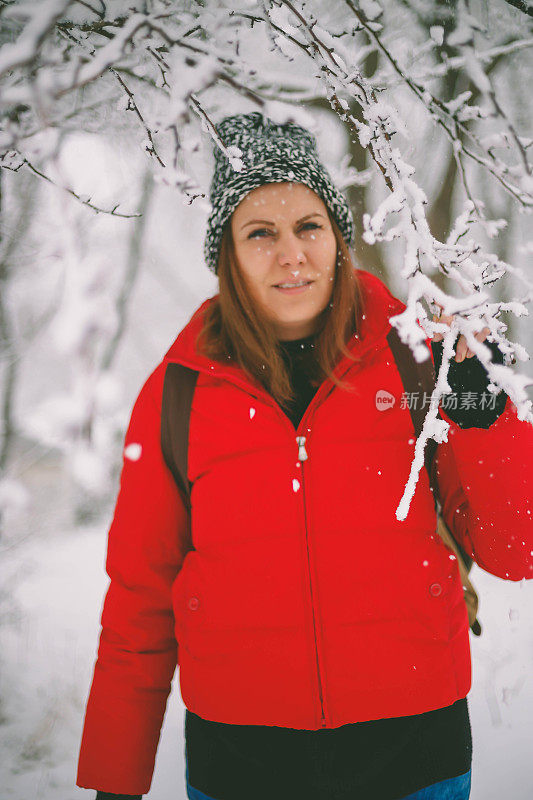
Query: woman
(323, 645)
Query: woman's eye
(261, 233)
(258, 234)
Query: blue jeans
(451, 789)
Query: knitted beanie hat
(270, 153)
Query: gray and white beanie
(270, 153)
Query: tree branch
(522, 5)
(86, 202)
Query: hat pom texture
(271, 153)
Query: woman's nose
(290, 251)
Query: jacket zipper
(322, 393)
(303, 456)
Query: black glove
(109, 796)
(480, 409)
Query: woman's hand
(462, 350)
(470, 404)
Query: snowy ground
(55, 587)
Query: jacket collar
(378, 305)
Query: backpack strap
(178, 390)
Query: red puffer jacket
(305, 603)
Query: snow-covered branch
(173, 69)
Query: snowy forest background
(423, 113)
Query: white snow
(13, 495)
(437, 34)
(133, 451)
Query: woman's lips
(294, 289)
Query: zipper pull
(302, 453)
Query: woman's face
(283, 236)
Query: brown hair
(235, 328)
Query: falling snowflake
(133, 451)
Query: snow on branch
(522, 5)
(452, 116)
(40, 23)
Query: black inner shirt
(298, 356)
